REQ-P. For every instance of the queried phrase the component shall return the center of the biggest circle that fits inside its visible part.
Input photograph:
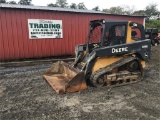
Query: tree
(151, 9)
(128, 10)
(52, 5)
(139, 13)
(116, 10)
(81, 6)
(73, 6)
(153, 24)
(122, 10)
(25, 2)
(12, 2)
(96, 8)
(62, 3)
(106, 10)
(3, 1)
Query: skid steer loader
(112, 56)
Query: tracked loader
(114, 55)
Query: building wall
(14, 36)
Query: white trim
(144, 22)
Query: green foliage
(153, 24)
(116, 10)
(59, 3)
(128, 10)
(52, 5)
(73, 6)
(25, 2)
(121, 10)
(139, 13)
(151, 9)
(96, 8)
(62, 3)
(81, 6)
(3, 1)
(12, 2)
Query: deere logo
(118, 50)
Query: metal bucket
(63, 78)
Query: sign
(41, 28)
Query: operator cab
(105, 33)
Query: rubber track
(109, 68)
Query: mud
(24, 95)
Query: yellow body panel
(104, 61)
(143, 63)
(129, 37)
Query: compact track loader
(114, 55)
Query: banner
(41, 28)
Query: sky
(136, 4)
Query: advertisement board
(42, 28)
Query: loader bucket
(63, 78)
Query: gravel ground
(24, 94)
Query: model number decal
(145, 46)
(118, 50)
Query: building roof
(16, 6)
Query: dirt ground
(24, 94)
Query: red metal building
(14, 33)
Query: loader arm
(142, 48)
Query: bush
(153, 24)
